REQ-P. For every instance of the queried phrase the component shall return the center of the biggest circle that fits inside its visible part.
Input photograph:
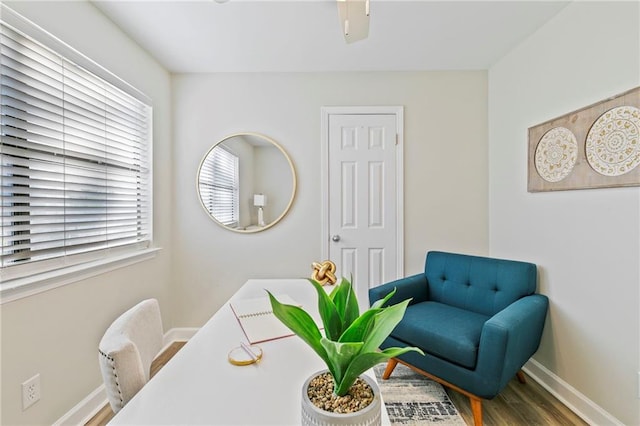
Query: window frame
(51, 273)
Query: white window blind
(75, 173)
(219, 186)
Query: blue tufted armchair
(477, 319)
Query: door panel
(362, 198)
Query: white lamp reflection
(259, 201)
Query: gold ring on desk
(239, 361)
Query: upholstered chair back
(127, 349)
(479, 284)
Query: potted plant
(349, 347)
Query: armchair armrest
(413, 287)
(511, 337)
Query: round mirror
(246, 182)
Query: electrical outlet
(30, 392)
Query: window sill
(28, 286)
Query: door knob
(335, 238)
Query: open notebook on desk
(259, 323)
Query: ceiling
(305, 35)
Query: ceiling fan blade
(354, 19)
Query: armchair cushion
(444, 331)
(480, 284)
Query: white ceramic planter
(314, 416)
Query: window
(219, 185)
(74, 171)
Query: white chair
(127, 349)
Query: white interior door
(363, 200)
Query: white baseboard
(178, 335)
(85, 409)
(89, 406)
(588, 410)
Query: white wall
(585, 242)
(272, 178)
(56, 333)
(445, 170)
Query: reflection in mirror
(246, 182)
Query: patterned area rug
(412, 399)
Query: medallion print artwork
(597, 146)
(613, 145)
(556, 154)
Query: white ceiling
(305, 35)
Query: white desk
(199, 385)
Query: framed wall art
(597, 146)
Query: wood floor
(518, 404)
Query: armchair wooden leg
(390, 366)
(476, 409)
(521, 377)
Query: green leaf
(339, 296)
(328, 312)
(360, 328)
(384, 323)
(301, 323)
(379, 303)
(340, 355)
(346, 303)
(337, 288)
(365, 361)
